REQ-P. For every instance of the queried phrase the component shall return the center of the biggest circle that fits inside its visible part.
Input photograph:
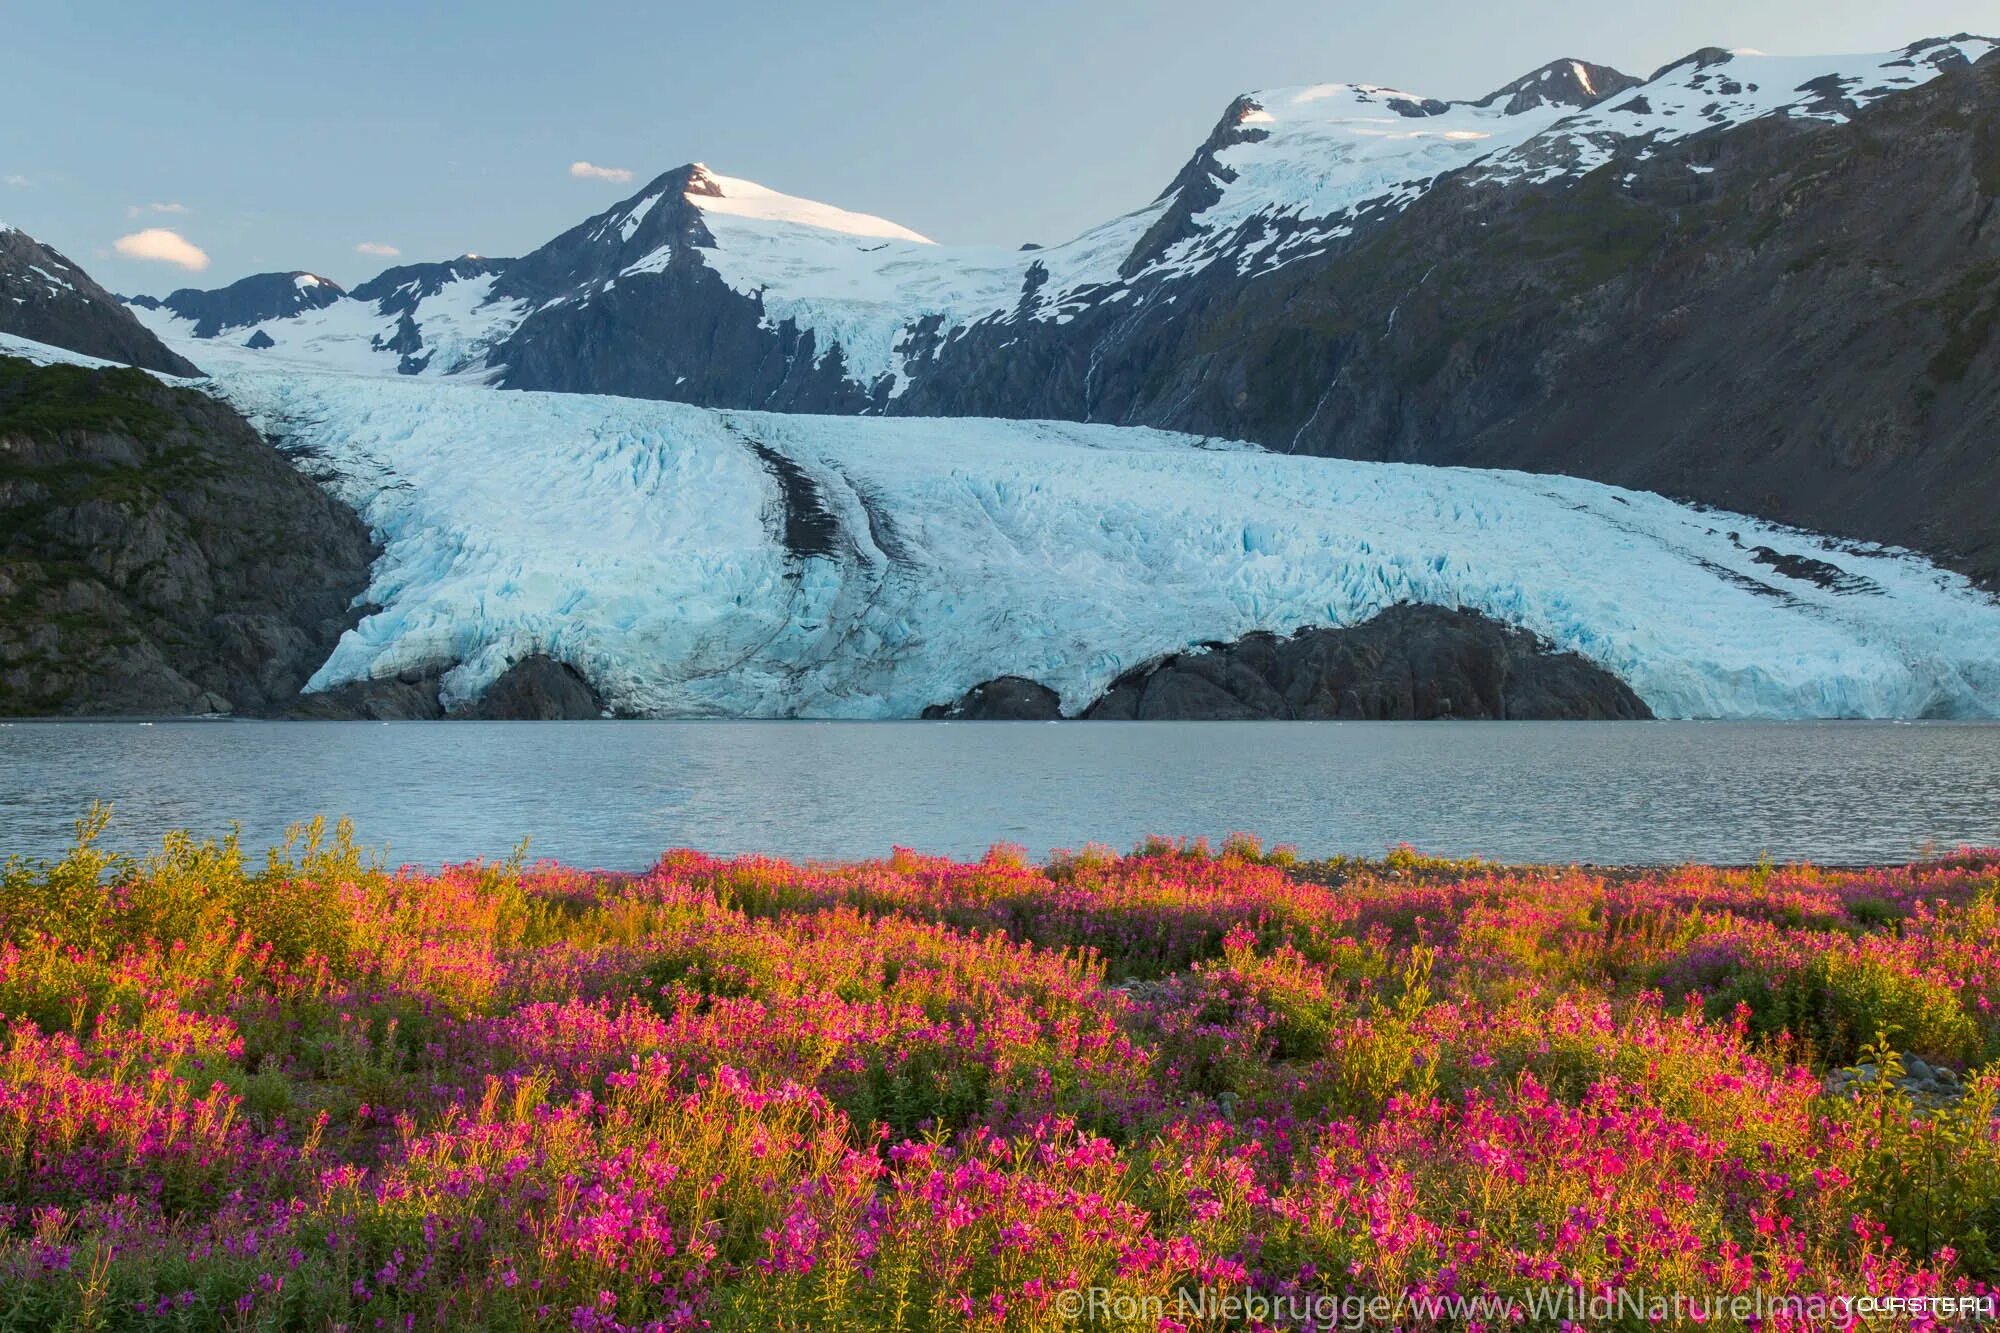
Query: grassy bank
(304, 1091)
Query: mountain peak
(399, 290)
(735, 198)
(1567, 82)
(1703, 58)
(46, 298)
(253, 300)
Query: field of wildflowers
(306, 1091)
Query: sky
(163, 146)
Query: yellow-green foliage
(309, 1091)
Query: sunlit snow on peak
(748, 200)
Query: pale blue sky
(289, 134)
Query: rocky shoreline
(1407, 663)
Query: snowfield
(646, 544)
(461, 321)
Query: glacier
(645, 543)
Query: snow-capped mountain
(822, 308)
(1759, 282)
(47, 298)
(372, 330)
(694, 562)
(1287, 174)
(245, 303)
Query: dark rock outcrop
(1007, 699)
(46, 298)
(399, 290)
(1408, 663)
(1572, 83)
(409, 697)
(535, 689)
(247, 301)
(156, 555)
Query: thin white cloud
(139, 210)
(162, 246)
(18, 182)
(590, 171)
(377, 249)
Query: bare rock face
(538, 689)
(46, 298)
(409, 697)
(156, 555)
(1007, 699)
(535, 689)
(248, 301)
(1408, 663)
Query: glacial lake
(616, 794)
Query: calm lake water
(615, 794)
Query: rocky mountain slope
(246, 302)
(1787, 319)
(1760, 282)
(156, 555)
(46, 298)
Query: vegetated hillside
(156, 555)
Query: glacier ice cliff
(693, 562)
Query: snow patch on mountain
(646, 543)
(1334, 154)
(458, 322)
(43, 354)
(1715, 89)
(751, 202)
